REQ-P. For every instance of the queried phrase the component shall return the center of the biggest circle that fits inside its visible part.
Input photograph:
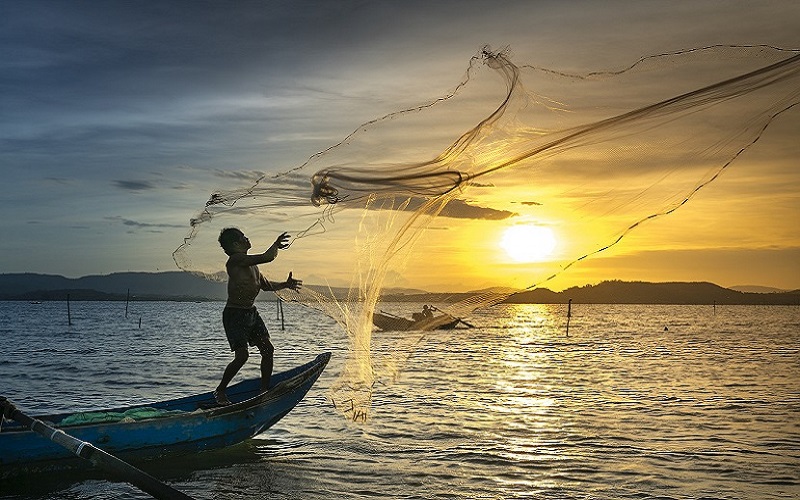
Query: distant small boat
(179, 426)
(389, 322)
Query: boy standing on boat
(243, 325)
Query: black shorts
(243, 327)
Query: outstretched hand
(293, 283)
(282, 242)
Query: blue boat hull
(194, 424)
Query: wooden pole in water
(569, 314)
(280, 306)
(69, 314)
(127, 299)
(104, 460)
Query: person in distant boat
(240, 318)
(427, 313)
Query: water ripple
(511, 409)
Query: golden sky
(115, 138)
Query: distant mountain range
(627, 292)
(143, 286)
(183, 286)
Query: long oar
(469, 325)
(459, 319)
(96, 456)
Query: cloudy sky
(120, 118)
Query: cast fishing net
(418, 198)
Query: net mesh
(416, 198)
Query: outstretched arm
(281, 243)
(290, 283)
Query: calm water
(510, 409)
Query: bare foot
(221, 398)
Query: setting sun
(528, 243)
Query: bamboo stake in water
(569, 314)
(280, 306)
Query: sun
(528, 242)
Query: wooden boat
(396, 323)
(185, 425)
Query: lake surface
(667, 402)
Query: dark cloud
(143, 225)
(245, 175)
(58, 180)
(459, 209)
(134, 185)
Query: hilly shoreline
(632, 292)
(180, 286)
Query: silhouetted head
(230, 239)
